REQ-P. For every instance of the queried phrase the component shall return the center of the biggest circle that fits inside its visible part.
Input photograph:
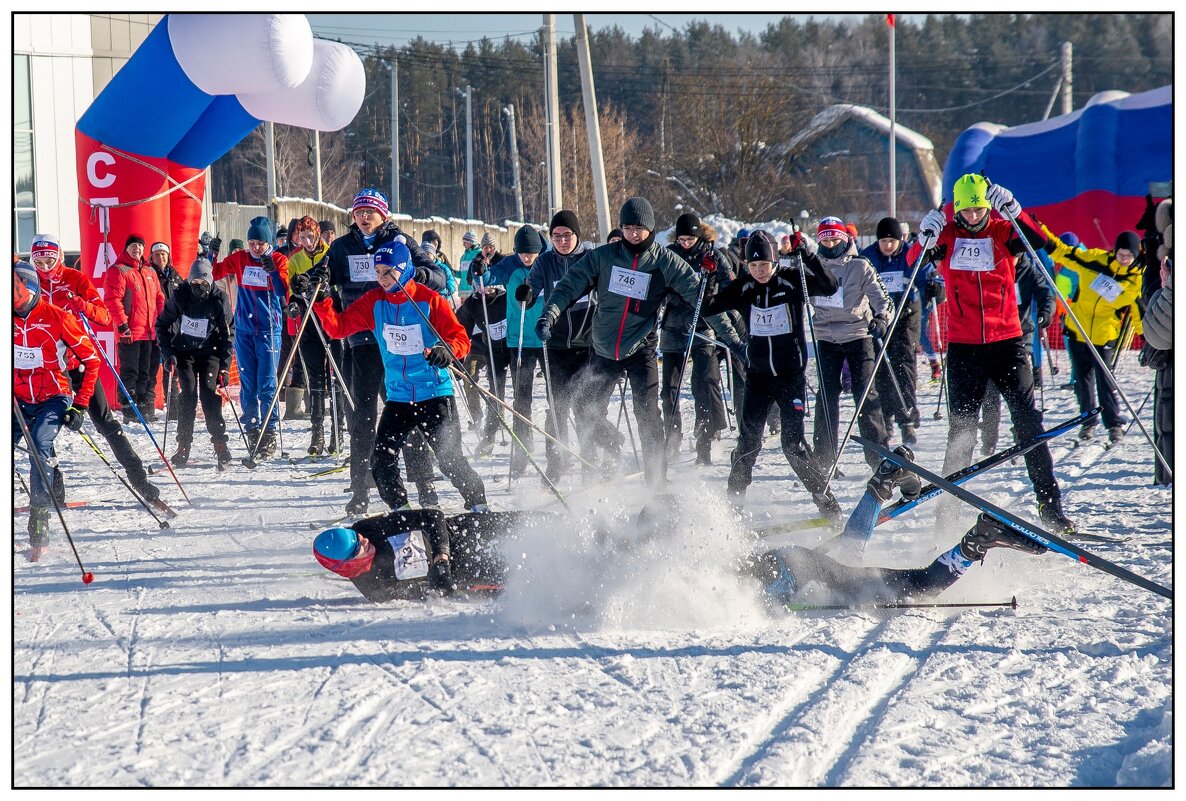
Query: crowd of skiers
(385, 331)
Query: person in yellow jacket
(1109, 284)
(309, 249)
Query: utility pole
(469, 151)
(893, 136)
(592, 125)
(270, 156)
(1067, 103)
(317, 164)
(552, 103)
(509, 111)
(395, 136)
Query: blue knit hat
(260, 229)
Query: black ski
(1011, 603)
(1035, 533)
(998, 458)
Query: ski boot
(778, 583)
(703, 444)
(936, 372)
(59, 487)
(38, 531)
(889, 475)
(908, 435)
(426, 492)
(294, 404)
(317, 441)
(222, 453)
(1115, 434)
(1087, 432)
(1051, 513)
(991, 533)
(357, 505)
(828, 506)
(180, 458)
(267, 446)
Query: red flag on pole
(889, 20)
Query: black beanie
(527, 240)
(637, 211)
(760, 247)
(1128, 240)
(688, 224)
(567, 219)
(617, 232)
(133, 239)
(889, 227)
(431, 236)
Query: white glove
(932, 224)
(1002, 200)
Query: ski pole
(132, 404)
(517, 385)
(139, 498)
(489, 340)
(942, 361)
(728, 365)
(235, 412)
(1148, 395)
(21, 478)
(1035, 533)
(87, 576)
(630, 430)
(679, 382)
(548, 392)
(250, 462)
(333, 363)
(168, 394)
(1099, 360)
(1011, 603)
(927, 242)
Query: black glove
(296, 307)
(125, 334)
(267, 262)
(440, 577)
(215, 245)
(224, 378)
(877, 328)
(543, 328)
(300, 283)
(439, 355)
(523, 294)
(478, 268)
(72, 419)
(1043, 320)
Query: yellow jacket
(1105, 289)
(299, 260)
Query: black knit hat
(1128, 240)
(637, 211)
(889, 227)
(760, 247)
(567, 219)
(327, 227)
(687, 224)
(431, 236)
(616, 233)
(133, 239)
(527, 240)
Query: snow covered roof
(835, 115)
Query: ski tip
(1013, 603)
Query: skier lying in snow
(408, 554)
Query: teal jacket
(630, 289)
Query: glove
(76, 304)
(439, 355)
(709, 263)
(300, 283)
(224, 378)
(1043, 320)
(440, 577)
(543, 328)
(1002, 200)
(296, 308)
(798, 242)
(933, 223)
(168, 363)
(125, 334)
(267, 262)
(523, 294)
(215, 245)
(877, 328)
(72, 419)
(478, 268)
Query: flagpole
(893, 142)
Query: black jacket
(765, 304)
(471, 316)
(428, 272)
(677, 313)
(184, 314)
(572, 327)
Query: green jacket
(630, 290)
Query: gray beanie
(488, 240)
(201, 270)
(637, 211)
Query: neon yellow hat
(968, 192)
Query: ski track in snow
(217, 652)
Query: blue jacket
(895, 272)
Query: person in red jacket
(977, 256)
(133, 296)
(42, 389)
(73, 291)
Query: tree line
(697, 118)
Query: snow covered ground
(218, 653)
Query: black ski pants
(316, 373)
(496, 383)
(198, 375)
(137, 372)
(1089, 378)
(707, 396)
(1163, 422)
(969, 370)
(641, 369)
(564, 368)
(437, 422)
(860, 356)
(762, 390)
(107, 425)
(900, 403)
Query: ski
(998, 458)
(165, 509)
(794, 525)
(327, 471)
(1036, 533)
(20, 510)
(334, 522)
(1011, 603)
(1097, 538)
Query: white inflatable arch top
(228, 54)
(327, 100)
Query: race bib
(26, 358)
(498, 330)
(362, 269)
(894, 282)
(256, 277)
(784, 263)
(833, 301)
(973, 255)
(195, 327)
(629, 283)
(404, 340)
(769, 322)
(411, 557)
(1106, 288)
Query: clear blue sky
(399, 29)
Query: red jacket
(980, 272)
(132, 294)
(37, 374)
(74, 292)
